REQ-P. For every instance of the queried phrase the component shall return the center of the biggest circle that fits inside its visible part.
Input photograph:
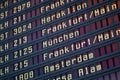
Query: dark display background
(59, 40)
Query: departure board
(59, 39)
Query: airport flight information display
(59, 39)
